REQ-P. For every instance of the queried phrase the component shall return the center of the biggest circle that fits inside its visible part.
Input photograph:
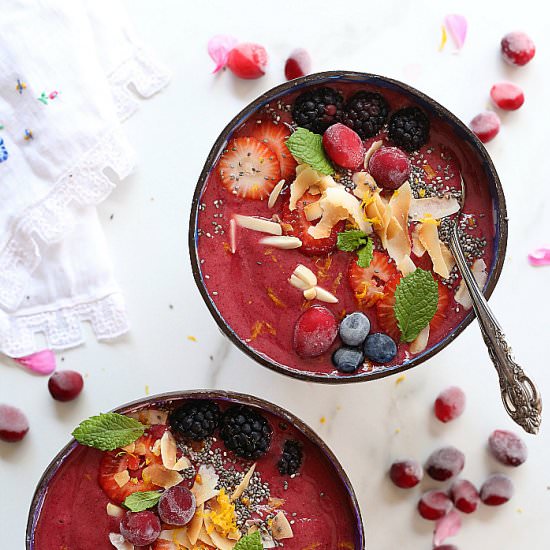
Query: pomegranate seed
(496, 490)
(406, 473)
(13, 424)
(298, 64)
(433, 505)
(247, 60)
(390, 167)
(445, 463)
(450, 404)
(485, 126)
(507, 96)
(65, 385)
(507, 448)
(177, 506)
(517, 48)
(465, 496)
(315, 331)
(344, 146)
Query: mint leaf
(351, 240)
(365, 254)
(137, 502)
(250, 542)
(109, 431)
(307, 147)
(416, 299)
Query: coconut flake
(406, 265)
(150, 417)
(206, 489)
(448, 526)
(421, 341)
(243, 485)
(442, 259)
(119, 542)
(160, 476)
(283, 242)
(479, 271)
(205, 537)
(41, 362)
(457, 25)
(307, 177)
(114, 511)
(178, 538)
(195, 525)
(313, 211)
(371, 150)
(280, 527)
(436, 207)
(325, 296)
(274, 195)
(219, 47)
(182, 464)
(121, 478)
(418, 248)
(310, 293)
(258, 224)
(168, 450)
(221, 543)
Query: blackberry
(291, 459)
(366, 113)
(195, 420)
(318, 109)
(409, 128)
(245, 432)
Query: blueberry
(347, 360)
(380, 348)
(354, 328)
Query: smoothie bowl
(320, 224)
(198, 470)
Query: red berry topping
(445, 463)
(485, 126)
(507, 448)
(315, 331)
(507, 96)
(390, 167)
(446, 547)
(140, 528)
(247, 60)
(13, 424)
(496, 490)
(450, 404)
(517, 48)
(298, 64)
(65, 385)
(344, 146)
(177, 506)
(406, 473)
(433, 505)
(465, 496)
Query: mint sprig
(137, 502)
(307, 147)
(108, 431)
(416, 299)
(354, 239)
(365, 254)
(250, 542)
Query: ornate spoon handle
(519, 394)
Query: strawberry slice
(296, 224)
(368, 282)
(443, 301)
(249, 169)
(275, 136)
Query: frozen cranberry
(298, 64)
(433, 505)
(465, 496)
(390, 167)
(447, 526)
(315, 331)
(496, 490)
(507, 96)
(445, 463)
(65, 385)
(13, 424)
(344, 146)
(485, 126)
(450, 404)
(517, 48)
(406, 473)
(177, 506)
(507, 448)
(247, 60)
(140, 528)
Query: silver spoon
(520, 396)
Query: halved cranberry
(450, 404)
(406, 473)
(496, 490)
(433, 505)
(465, 496)
(445, 463)
(507, 448)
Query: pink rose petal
(539, 257)
(41, 362)
(219, 47)
(447, 526)
(457, 27)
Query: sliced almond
(195, 525)
(168, 449)
(160, 476)
(305, 274)
(121, 478)
(371, 150)
(479, 271)
(284, 242)
(243, 485)
(325, 296)
(114, 511)
(233, 235)
(421, 341)
(436, 207)
(298, 283)
(280, 527)
(119, 542)
(310, 293)
(205, 483)
(258, 224)
(274, 195)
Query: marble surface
(367, 425)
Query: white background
(369, 424)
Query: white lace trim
(62, 328)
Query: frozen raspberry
(507, 96)
(485, 126)
(13, 424)
(507, 448)
(465, 496)
(65, 385)
(433, 505)
(344, 146)
(298, 64)
(247, 60)
(390, 167)
(517, 48)
(140, 528)
(315, 331)
(406, 473)
(450, 404)
(445, 463)
(496, 490)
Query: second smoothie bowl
(320, 222)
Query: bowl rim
(501, 222)
(230, 396)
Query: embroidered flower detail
(28, 134)
(3, 151)
(20, 86)
(43, 98)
